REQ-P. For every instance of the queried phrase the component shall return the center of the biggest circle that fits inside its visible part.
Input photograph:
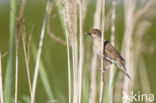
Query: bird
(110, 53)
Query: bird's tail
(126, 73)
(123, 69)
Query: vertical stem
(97, 14)
(10, 66)
(39, 53)
(144, 78)
(69, 67)
(113, 23)
(93, 88)
(1, 84)
(27, 64)
(43, 75)
(129, 7)
(111, 73)
(102, 49)
(16, 79)
(81, 51)
(73, 32)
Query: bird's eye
(94, 32)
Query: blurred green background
(54, 56)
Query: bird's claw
(102, 71)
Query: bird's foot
(101, 56)
(102, 71)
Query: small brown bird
(110, 54)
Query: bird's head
(95, 33)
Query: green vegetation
(53, 79)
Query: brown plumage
(110, 53)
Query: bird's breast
(97, 46)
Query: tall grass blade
(10, 65)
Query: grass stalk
(102, 60)
(144, 78)
(131, 19)
(70, 15)
(26, 60)
(39, 53)
(81, 51)
(69, 68)
(26, 54)
(111, 73)
(19, 21)
(57, 39)
(129, 7)
(93, 87)
(43, 74)
(97, 14)
(10, 65)
(82, 12)
(1, 84)
(45, 81)
(51, 34)
(16, 79)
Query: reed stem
(69, 67)
(39, 53)
(111, 73)
(102, 49)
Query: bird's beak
(88, 33)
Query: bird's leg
(101, 56)
(110, 60)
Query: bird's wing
(110, 51)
